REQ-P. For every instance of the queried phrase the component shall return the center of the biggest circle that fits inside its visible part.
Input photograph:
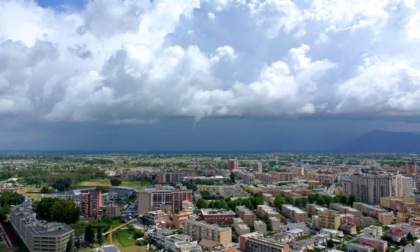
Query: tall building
(201, 230)
(162, 199)
(410, 168)
(232, 164)
(39, 236)
(370, 188)
(404, 186)
(90, 201)
(256, 166)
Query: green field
(125, 238)
(105, 183)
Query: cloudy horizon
(91, 74)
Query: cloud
(139, 61)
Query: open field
(105, 183)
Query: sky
(215, 75)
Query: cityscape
(209, 126)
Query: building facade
(39, 236)
(162, 199)
(201, 230)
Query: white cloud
(138, 61)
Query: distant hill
(385, 141)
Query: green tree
(89, 234)
(99, 236)
(64, 210)
(69, 246)
(410, 237)
(115, 182)
(330, 243)
(201, 203)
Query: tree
(330, 243)
(77, 243)
(69, 246)
(64, 210)
(201, 203)
(115, 182)
(232, 177)
(410, 237)
(89, 234)
(99, 236)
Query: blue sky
(138, 75)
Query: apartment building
(232, 164)
(162, 199)
(256, 166)
(260, 226)
(111, 211)
(257, 242)
(265, 178)
(245, 214)
(246, 178)
(217, 216)
(39, 235)
(293, 213)
(326, 219)
(90, 202)
(345, 209)
(284, 176)
(369, 210)
(410, 168)
(201, 230)
(375, 243)
(370, 188)
(404, 186)
(265, 210)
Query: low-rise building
(274, 224)
(375, 243)
(265, 210)
(201, 230)
(111, 211)
(327, 219)
(369, 210)
(257, 242)
(386, 218)
(356, 247)
(217, 216)
(245, 214)
(372, 231)
(293, 213)
(260, 227)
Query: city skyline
(95, 75)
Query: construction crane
(111, 230)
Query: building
(370, 188)
(162, 199)
(375, 243)
(369, 210)
(257, 242)
(265, 210)
(260, 227)
(37, 235)
(156, 218)
(245, 214)
(355, 247)
(386, 218)
(111, 211)
(327, 219)
(178, 218)
(404, 186)
(373, 232)
(201, 230)
(232, 164)
(240, 227)
(90, 202)
(274, 224)
(405, 204)
(293, 213)
(256, 166)
(410, 168)
(217, 216)
(172, 242)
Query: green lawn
(105, 183)
(125, 238)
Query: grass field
(105, 183)
(125, 238)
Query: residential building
(274, 224)
(370, 188)
(256, 166)
(375, 243)
(369, 210)
(217, 216)
(201, 230)
(265, 210)
(404, 186)
(245, 214)
(39, 235)
(172, 242)
(156, 218)
(90, 202)
(402, 204)
(260, 226)
(386, 218)
(232, 164)
(178, 218)
(373, 232)
(355, 247)
(257, 242)
(111, 211)
(162, 199)
(240, 227)
(410, 168)
(327, 219)
(293, 213)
